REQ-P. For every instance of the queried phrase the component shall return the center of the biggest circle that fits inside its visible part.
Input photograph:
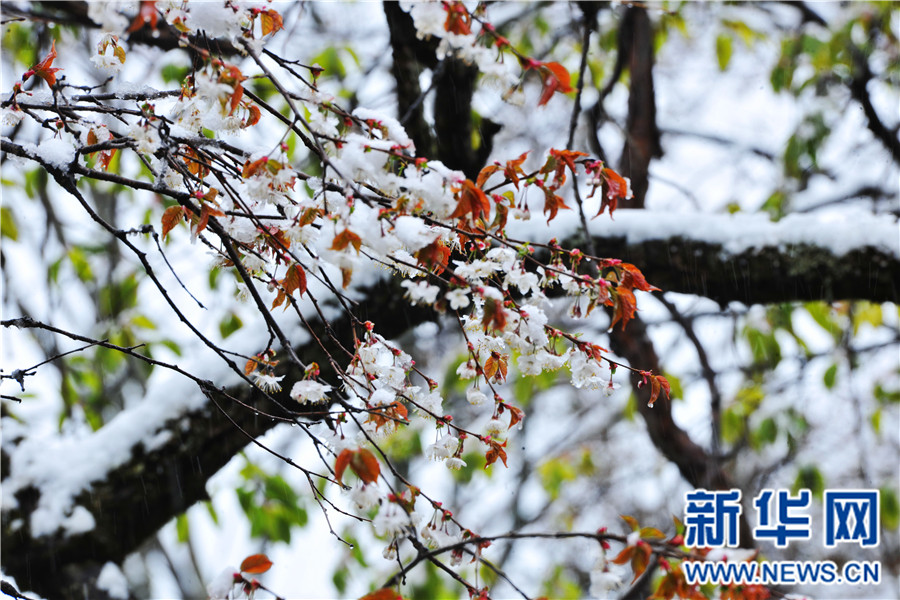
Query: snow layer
(736, 233)
(112, 581)
(61, 467)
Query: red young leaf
(250, 366)
(45, 69)
(346, 238)
(552, 203)
(147, 14)
(365, 465)
(632, 278)
(555, 78)
(615, 187)
(494, 452)
(561, 160)
(170, 219)
(458, 18)
(485, 174)
(255, 115)
(294, 279)
(340, 465)
(251, 168)
(494, 315)
(516, 414)
(513, 168)
(625, 304)
(383, 594)
(471, 200)
(360, 461)
(256, 564)
(434, 256)
(657, 383)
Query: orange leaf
(294, 279)
(494, 315)
(255, 115)
(471, 200)
(434, 256)
(346, 238)
(383, 594)
(555, 78)
(516, 414)
(632, 278)
(494, 452)
(491, 366)
(340, 465)
(640, 559)
(625, 304)
(657, 383)
(147, 14)
(365, 465)
(624, 556)
(514, 168)
(256, 564)
(271, 21)
(552, 203)
(615, 187)
(485, 174)
(458, 18)
(251, 168)
(45, 69)
(250, 366)
(170, 219)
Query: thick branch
(746, 258)
(130, 503)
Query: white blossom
(391, 520)
(443, 448)
(220, 587)
(267, 382)
(494, 427)
(421, 292)
(458, 298)
(108, 63)
(455, 464)
(364, 496)
(475, 397)
(308, 391)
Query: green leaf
(80, 264)
(811, 478)
(553, 474)
(724, 50)
(174, 73)
(8, 227)
(181, 528)
(866, 312)
(765, 433)
(142, 322)
(829, 377)
(212, 511)
(229, 325)
(890, 509)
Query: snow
(736, 233)
(112, 580)
(62, 467)
(56, 152)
